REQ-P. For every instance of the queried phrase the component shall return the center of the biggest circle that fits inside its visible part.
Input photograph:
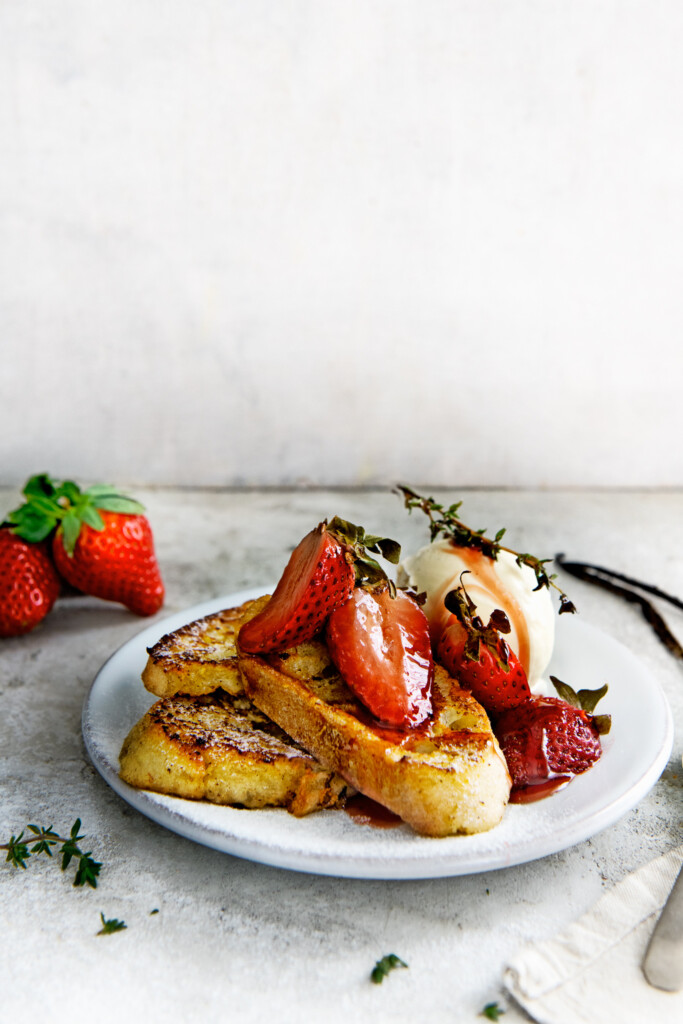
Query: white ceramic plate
(331, 843)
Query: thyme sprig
(446, 521)
(110, 925)
(42, 840)
(492, 1011)
(388, 963)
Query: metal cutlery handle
(663, 962)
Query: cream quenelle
(500, 583)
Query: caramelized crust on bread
(446, 777)
(201, 656)
(222, 749)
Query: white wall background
(299, 241)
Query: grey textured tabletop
(233, 939)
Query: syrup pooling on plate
(365, 811)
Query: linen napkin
(592, 970)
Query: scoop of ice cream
(499, 583)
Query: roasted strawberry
(101, 543)
(479, 657)
(29, 584)
(548, 738)
(320, 574)
(380, 644)
(317, 577)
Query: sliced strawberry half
(317, 577)
(320, 575)
(380, 644)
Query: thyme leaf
(492, 1011)
(445, 521)
(388, 963)
(110, 925)
(42, 840)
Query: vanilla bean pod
(605, 578)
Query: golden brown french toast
(447, 776)
(220, 748)
(201, 656)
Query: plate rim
(331, 863)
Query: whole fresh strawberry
(550, 738)
(379, 640)
(479, 657)
(29, 584)
(321, 573)
(101, 542)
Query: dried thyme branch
(446, 521)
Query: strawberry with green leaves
(548, 740)
(321, 574)
(29, 584)
(101, 542)
(378, 637)
(479, 657)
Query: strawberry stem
(51, 506)
(357, 545)
(460, 604)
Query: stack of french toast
(258, 708)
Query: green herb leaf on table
(21, 847)
(384, 966)
(492, 1011)
(110, 925)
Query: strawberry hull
(116, 563)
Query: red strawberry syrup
(538, 790)
(365, 811)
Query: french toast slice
(221, 748)
(200, 657)
(446, 777)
